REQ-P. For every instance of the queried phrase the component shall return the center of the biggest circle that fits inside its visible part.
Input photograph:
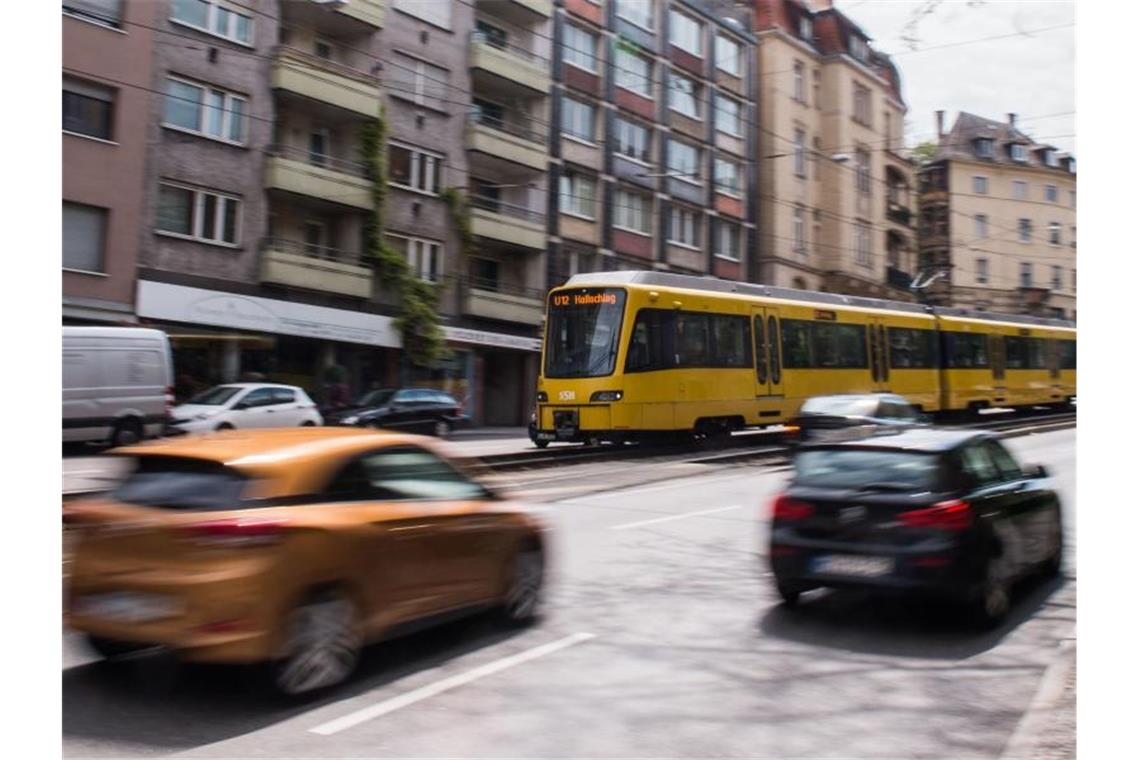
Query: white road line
(432, 689)
(656, 520)
(686, 481)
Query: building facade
(650, 139)
(998, 220)
(107, 48)
(836, 190)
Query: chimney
(1012, 120)
(938, 117)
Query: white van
(118, 384)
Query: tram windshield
(582, 332)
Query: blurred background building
(998, 220)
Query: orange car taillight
(237, 532)
(953, 515)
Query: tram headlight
(605, 396)
(542, 396)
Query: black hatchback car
(849, 416)
(942, 512)
(410, 410)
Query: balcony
(505, 222)
(298, 265)
(898, 214)
(897, 278)
(491, 300)
(518, 143)
(517, 12)
(316, 176)
(370, 12)
(326, 82)
(504, 69)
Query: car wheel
(441, 429)
(789, 595)
(524, 591)
(541, 444)
(111, 648)
(126, 432)
(1053, 564)
(993, 604)
(308, 423)
(322, 643)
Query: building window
(1026, 274)
(322, 49)
(638, 12)
(633, 140)
(728, 177)
(633, 211)
(859, 50)
(414, 169)
(105, 12)
(806, 31)
(206, 111)
(1020, 190)
(418, 81)
(632, 72)
(1024, 230)
(685, 227)
(799, 231)
(862, 106)
(1051, 158)
(799, 161)
(816, 154)
(577, 195)
(981, 271)
(1054, 233)
(1019, 153)
(684, 161)
(799, 89)
(425, 259)
(816, 89)
(578, 48)
(863, 171)
(87, 109)
(863, 244)
(1051, 193)
(211, 17)
(1074, 280)
(985, 148)
(1072, 199)
(728, 117)
(981, 185)
(686, 33)
(728, 56)
(684, 95)
(198, 214)
(84, 237)
(981, 226)
(578, 119)
(435, 13)
(728, 240)
(1073, 236)
(485, 273)
(1056, 277)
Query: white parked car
(246, 405)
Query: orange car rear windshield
(182, 484)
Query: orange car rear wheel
(321, 645)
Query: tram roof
(716, 285)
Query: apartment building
(106, 63)
(998, 219)
(836, 193)
(650, 139)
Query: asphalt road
(662, 638)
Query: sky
(1031, 73)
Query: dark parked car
(942, 512)
(850, 416)
(412, 410)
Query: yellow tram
(629, 355)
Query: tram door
(997, 366)
(880, 354)
(766, 339)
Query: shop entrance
(503, 392)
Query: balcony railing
(325, 64)
(481, 38)
(322, 160)
(495, 286)
(319, 252)
(523, 127)
(898, 214)
(898, 278)
(507, 209)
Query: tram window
(761, 359)
(692, 340)
(664, 339)
(839, 346)
(913, 349)
(730, 341)
(965, 350)
(1037, 357)
(774, 348)
(1016, 353)
(1067, 352)
(651, 345)
(796, 334)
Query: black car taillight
(953, 515)
(787, 509)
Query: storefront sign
(179, 303)
(500, 340)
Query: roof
(924, 440)
(959, 142)
(716, 285)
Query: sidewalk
(1048, 730)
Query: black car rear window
(844, 467)
(181, 484)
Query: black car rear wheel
(789, 595)
(111, 648)
(993, 603)
(1053, 564)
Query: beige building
(998, 220)
(835, 189)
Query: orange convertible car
(292, 547)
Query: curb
(1030, 737)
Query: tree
(925, 151)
